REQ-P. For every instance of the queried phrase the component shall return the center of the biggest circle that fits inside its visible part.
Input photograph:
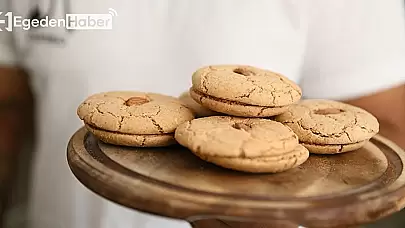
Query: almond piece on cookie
(244, 91)
(245, 144)
(133, 118)
(330, 127)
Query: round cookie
(198, 109)
(326, 126)
(133, 118)
(243, 91)
(228, 136)
(244, 144)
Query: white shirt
(333, 49)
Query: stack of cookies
(128, 118)
(245, 144)
(235, 116)
(330, 127)
(240, 136)
(243, 91)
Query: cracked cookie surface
(326, 122)
(134, 113)
(246, 84)
(198, 109)
(227, 136)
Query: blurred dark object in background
(16, 131)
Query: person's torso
(153, 46)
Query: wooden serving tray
(326, 191)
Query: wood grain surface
(326, 191)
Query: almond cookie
(198, 109)
(243, 91)
(244, 144)
(329, 127)
(133, 118)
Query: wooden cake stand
(342, 190)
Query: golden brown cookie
(198, 109)
(133, 118)
(243, 91)
(326, 126)
(244, 144)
